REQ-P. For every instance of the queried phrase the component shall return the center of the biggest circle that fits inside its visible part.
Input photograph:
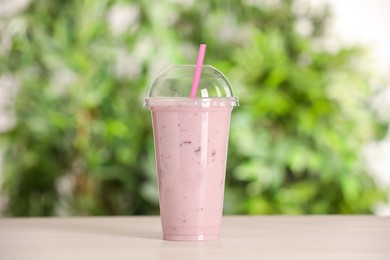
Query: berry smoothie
(191, 138)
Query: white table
(243, 237)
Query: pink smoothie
(191, 147)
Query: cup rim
(191, 102)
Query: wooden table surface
(242, 237)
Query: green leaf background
(82, 142)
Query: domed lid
(175, 83)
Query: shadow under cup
(191, 139)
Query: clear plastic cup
(191, 140)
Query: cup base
(189, 238)
(191, 233)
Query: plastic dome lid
(175, 83)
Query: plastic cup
(191, 140)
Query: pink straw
(198, 70)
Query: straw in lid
(175, 83)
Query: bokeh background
(77, 140)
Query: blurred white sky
(366, 22)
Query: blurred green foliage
(82, 143)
